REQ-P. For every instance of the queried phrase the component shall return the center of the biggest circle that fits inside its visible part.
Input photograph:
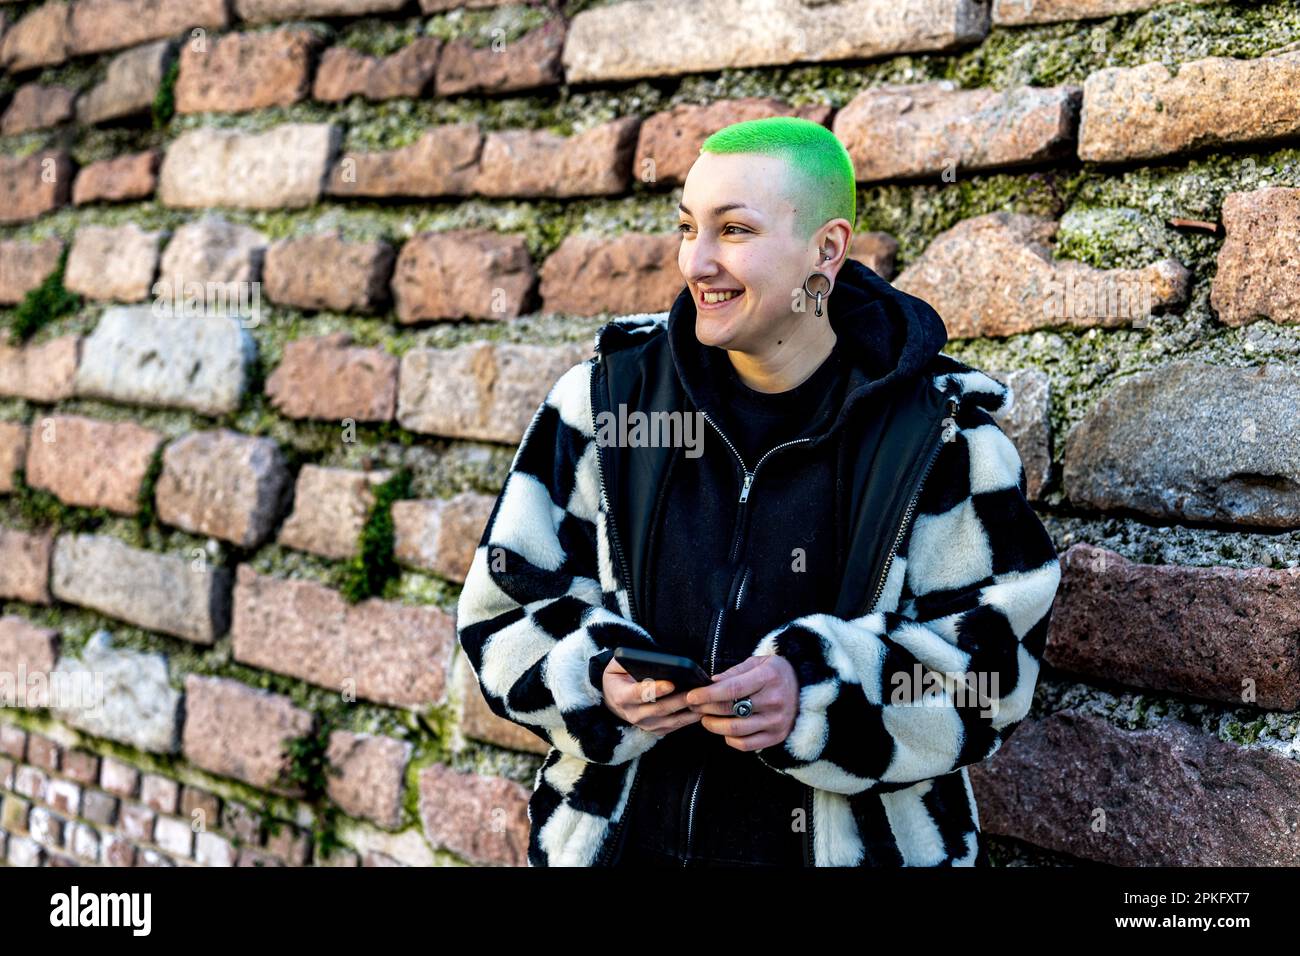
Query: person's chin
(718, 332)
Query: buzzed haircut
(822, 185)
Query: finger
(740, 668)
(739, 727)
(667, 704)
(664, 725)
(630, 693)
(766, 700)
(744, 684)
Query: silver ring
(743, 707)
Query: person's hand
(649, 704)
(770, 684)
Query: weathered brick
(44, 372)
(225, 484)
(344, 72)
(1142, 112)
(1259, 257)
(30, 782)
(43, 752)
(113, 262)
(37, 106)
(1233, 805)
(284, 166)
(159, 793)
(531, 61)
(64, 796)
(1207, 632)
(39, 38)
(1021, 12)
(246, 71)
(137, 821)
(13, 450)
(238, 731)
(99, 807)
(440, 535)
(85, 842)
(289, 844)
(1190, 441)
(612, 43)
(429, 281)
(115, 851)
(25, 568)
(81, 766)
(326, 377)
(24, 266)
(482, 390)
(137, 357)
(91, 463)
(241, 820)
(1028, 424)
(130, 83)
(382, 651)
(13, 741)
(213, 850)
(34, 185)
(875, 250)
(442, 162)
(994, 275)
(371, 775)
(540, 163)
(251, 856)
(46, 827)
(330, 506)
(905, 130)
(22, 851)
(482, 819)
(171, 593)
(668, 142)
(268, 11)
(479, 722)
(99, 25)
(133, 703)
(632, 272)
(326, 272)
(27, 655)
(119, 778)
(213, 264)
(174, 835)
(200, 805)
(120, 179)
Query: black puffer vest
(808, 528)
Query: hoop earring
(820, 292)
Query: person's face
(750, 248)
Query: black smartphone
(684, 673)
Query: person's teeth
(719, 296)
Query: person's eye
(682, 227)
(734, 226)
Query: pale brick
(481, 819)
(120, 179)
(171, 593)
(137, 822)
(482, 390)
(39, 38)
(64, 796)
(1143, 112)
(27, 655)
(211, 249)
(326, 377)
(99, 807)
(119, 778)
(283, 167)
(626, 274)
(440, 535)
(371, 775)
(430, 281)
(330, 509)
(113, 262)
(37, 106)
(25, 265)
(85, 842)
(238, 731)
(25, 568)
(1259, 257)
(13, 450)
(99, 25)
(46, 827)
(613, 43)
(34, 185)
(174, 835)
(137, 357)
(159, 793)
(43, 752)
(91, 463)
(246, 71)
(115, 851)
(225, 484)
(130, 84)
(383, 651)
(81, 766)
(442, 162)
(325, 272)
(268, 11)
(213, 850)
(23, 851)
(44, 372)
(541, 163)
(529, 62)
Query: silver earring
(821, 292)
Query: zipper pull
(744, 491)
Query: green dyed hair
(822, 186)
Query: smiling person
(852, 559)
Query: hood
(885, 335)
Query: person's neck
(787, 365)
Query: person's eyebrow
(719, 210)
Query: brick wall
(386, 227)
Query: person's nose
(700, 257)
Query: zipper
(616, 835)
(809, 857)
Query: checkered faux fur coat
(970, 590)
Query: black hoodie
(749, 566)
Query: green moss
(308, 767)
(164, 102)
(44, 304)
(374, 565)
